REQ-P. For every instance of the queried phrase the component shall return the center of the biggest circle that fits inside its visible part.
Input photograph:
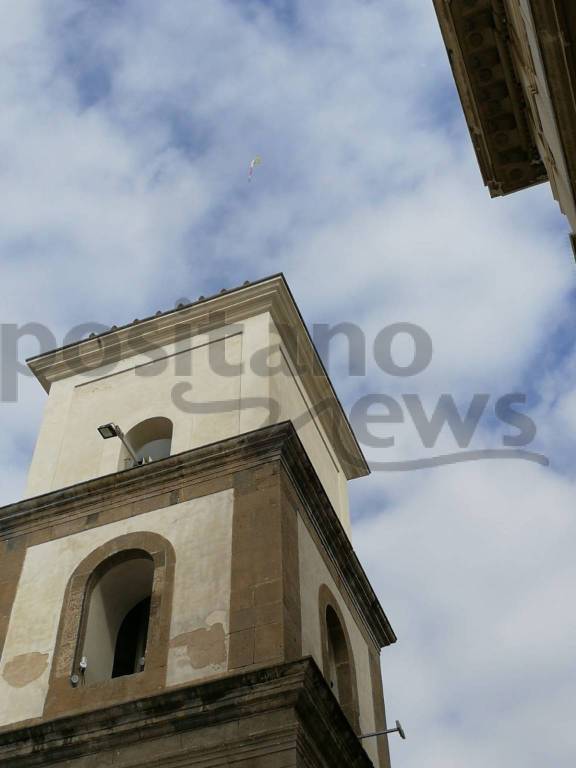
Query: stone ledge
(164, 480)
(278, 716)
(143, 482)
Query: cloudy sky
(126, 130)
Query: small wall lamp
(108, 430)
(113, 430)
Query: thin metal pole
(378, 733)
(398, 729)
(126, 444)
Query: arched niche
(117, 609)
(337, 656)
(150, 440)
(138, 558)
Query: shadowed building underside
(514, 66)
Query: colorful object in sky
(257, 161)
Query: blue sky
(126, 131)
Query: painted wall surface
(200, 532)
(314, 573)
(237, 379)
(288, 391)
(184, 385)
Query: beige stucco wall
(69, 448)
(200, 532)
(220, 404)
(294, 404)
(314, 573)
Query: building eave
(270, 295)
(476, 38)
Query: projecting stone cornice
(477, 36)
(270, 295)
(286, 710)
(178, 478)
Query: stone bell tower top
(189, 594)
(216, 368)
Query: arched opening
(105, 586)
(338, 668)
(130, 649)
(150, 440)
(117, 617)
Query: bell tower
(178, 587)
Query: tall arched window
(338, 660)
(116, 612)
(116, 617)
(150, 440)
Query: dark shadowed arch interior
(117, 616)
(339, 672)
(130, 649)
(137, 565)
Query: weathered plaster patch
(204, 647)
(23, 670)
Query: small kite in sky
(257, 161)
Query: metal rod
(398, 729)
(126, 444)
(378, 733)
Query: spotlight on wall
(108, 430)
(113, 430)
(398, 730)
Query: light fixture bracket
(108, 430)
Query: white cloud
(475, 568)
(125, 133)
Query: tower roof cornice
(269, 295)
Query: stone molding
(476, 34)
(164, 482)
(284, 715)
(270, 295)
